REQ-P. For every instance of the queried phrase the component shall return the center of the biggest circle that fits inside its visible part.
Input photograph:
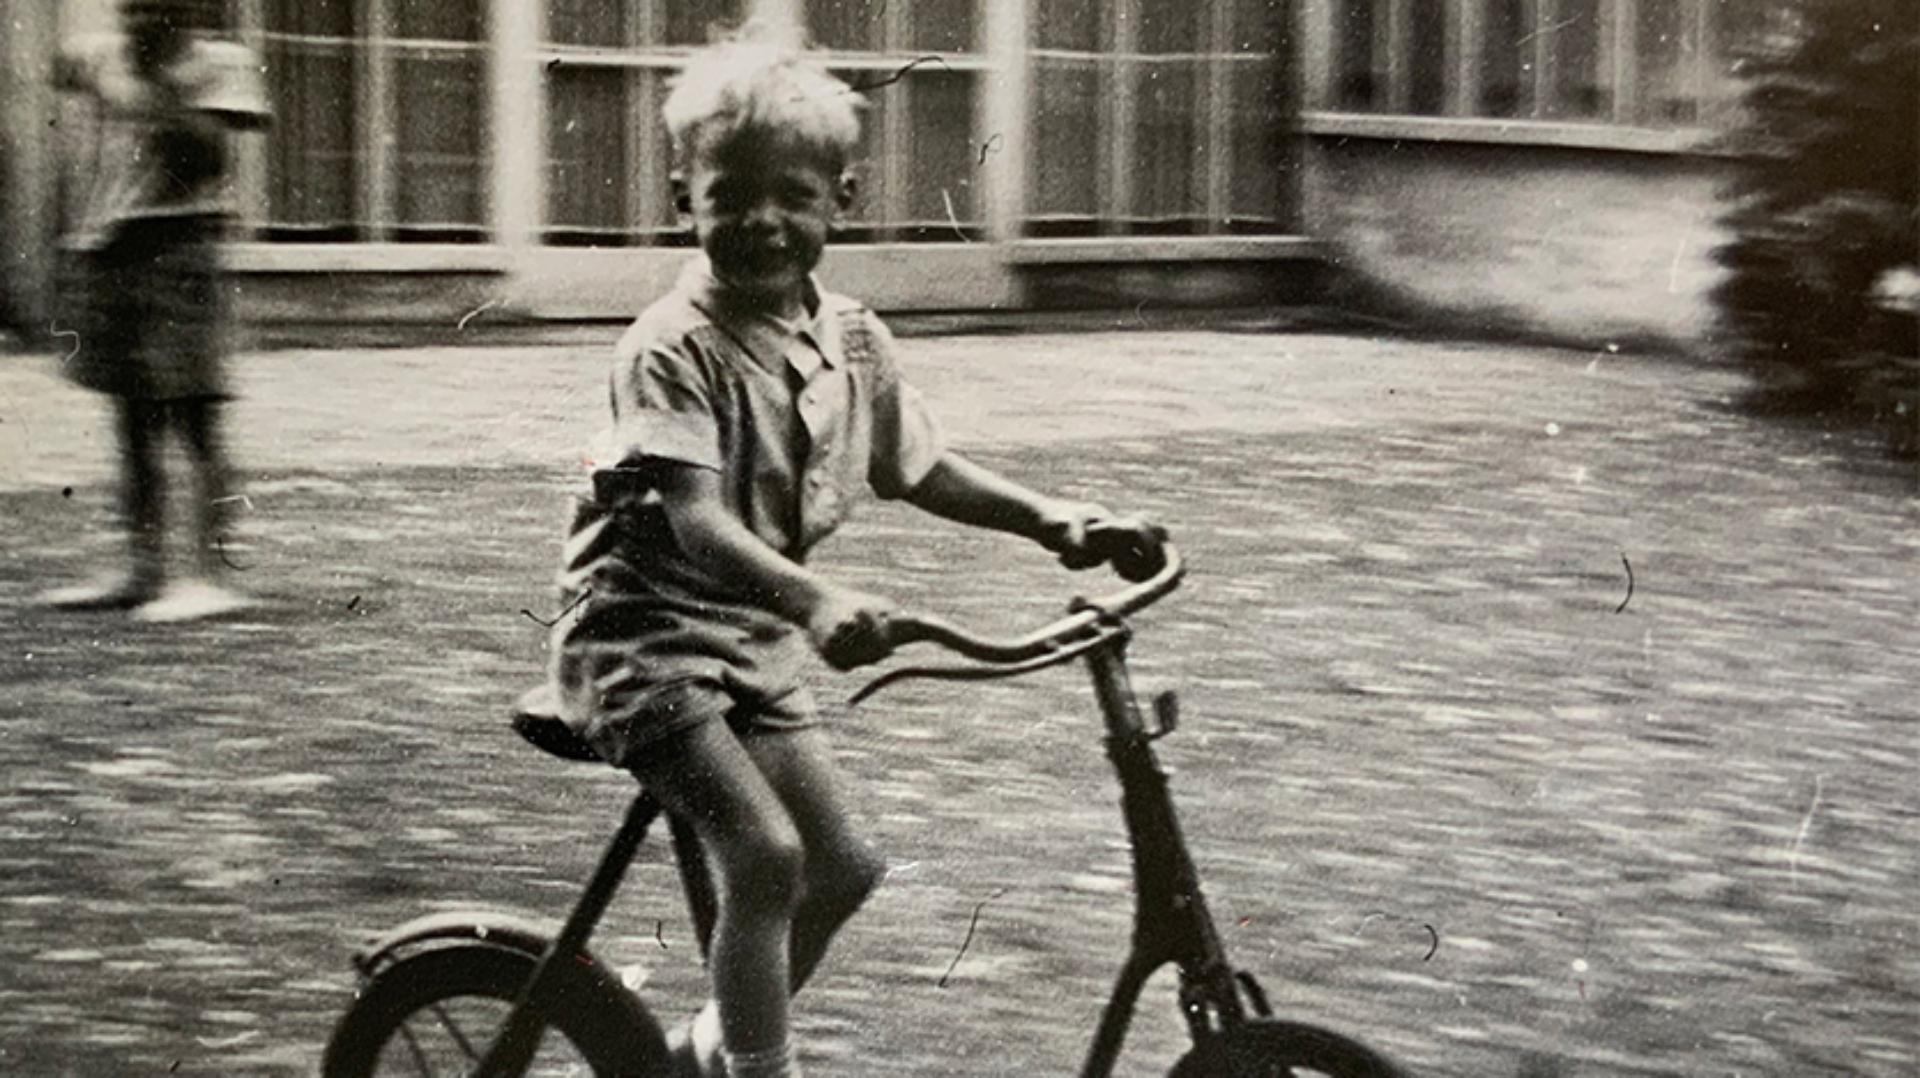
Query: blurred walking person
(151, 315)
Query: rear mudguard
(501, 930)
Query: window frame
(1621, 127)
(1117, 62)
(374, 55)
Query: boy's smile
(762, 207)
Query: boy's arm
(848, 627)
(962, 491)
(1083, 534)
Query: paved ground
(1676, 835)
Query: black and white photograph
(751, 538)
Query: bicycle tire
(613, 1036)
(1274, 1048)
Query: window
(1643, 63)
(380, 110)
(1154, 117)
(609, 65)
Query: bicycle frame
(1171, 922)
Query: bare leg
(842, 869)
(143, 503)
(708, 779)
(137, 425)
(199, 421)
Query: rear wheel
(436, 1012)
(1271, 1048)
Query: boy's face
(762, 206)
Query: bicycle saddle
(536, 717)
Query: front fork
(1171, 922)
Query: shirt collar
(766, 337)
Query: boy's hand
(849, 628)
(1084, 535)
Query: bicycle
(424, 967)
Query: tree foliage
(1824, 208)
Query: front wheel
(435, 1013)
(1271, 1048)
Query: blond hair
(762, 80)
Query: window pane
(437, 20)
(437, 122)
(1169, 26)
(587, 22)
(849, 25)
(318, 18)
(1257, 25)
(1666, 43)
(1068, 24)
(1426, 57)
(1253, 194)
(311, 155)
(1065, 153)
(1581, 89)
(944, 25)
(1166, 185)
(941, 170)
(697, 22)
(587, 132)
(1506, 88)
(1353, 81)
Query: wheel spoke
(453, 1030)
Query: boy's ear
(682, 193)
(848, 191)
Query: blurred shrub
(1823, 212)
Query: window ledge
(1163, 249)
(259, 257)
(1585, 136)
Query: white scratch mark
(54, 329)
(1555, 28)
(475, 313)
(1806, 824)
(954, 218)
(1679, 253)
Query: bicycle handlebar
(1090, 621)
(907, 629)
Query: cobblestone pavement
(1544, 655)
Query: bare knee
(761, 875)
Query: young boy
(749, 408)
(150, 313)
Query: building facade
(434, 157)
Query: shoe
(192, 600)
(681, 1061)
(693, 1047)
(116, 593)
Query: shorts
(148, 314)
(624, 735)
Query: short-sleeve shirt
(799, 419)
(122, 179)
